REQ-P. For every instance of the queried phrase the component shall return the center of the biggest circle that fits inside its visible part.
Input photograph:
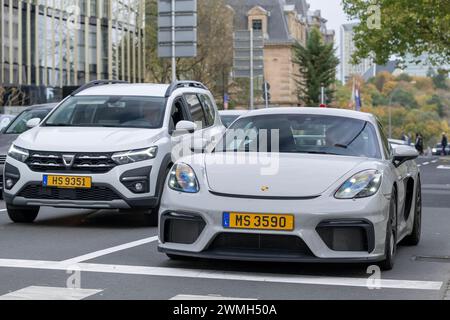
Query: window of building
(257, 24)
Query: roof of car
(41, 106)
(314, 111)
(135, 89)
(232, 112)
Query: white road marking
(419, 165)
(435, 161)
(3, 210)
(219, 275)
(444, 167)
(208, 297)
(104, 252)
(426, 163)
(49, 293)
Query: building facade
(347, 48)
(49, 46)
(283, 23)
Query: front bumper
(309, 214)
(111, 192)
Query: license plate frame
(66, 181)
(249, 221)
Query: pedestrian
(419, 143)
(444, 143)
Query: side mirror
(33, 122)
(184, 127)
(403, 154)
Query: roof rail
(96, 83)
(184, 84)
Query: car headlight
(182, 178)
(18, 153)
(361, 185)
(135, 155)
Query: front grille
(96, 193)
(82, 163)
(2, 159)
(260, 243)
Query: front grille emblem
(68, 160)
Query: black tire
(22, 214)
(391, 235)
(414, 238)
(152, 218)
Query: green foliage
(407, 27)
(317, 63)
(440, 79)
(404, 98)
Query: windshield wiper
(345, 146)
(320, 152)
(57, 125)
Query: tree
(440, 79)
(317, 67)
(214, 47)
(407, 27)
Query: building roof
(277, 24)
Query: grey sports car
(329, 188)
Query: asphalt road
(112, 255)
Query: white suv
(108, 145)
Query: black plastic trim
(240, 196)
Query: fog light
(9, 183)
(139, 187)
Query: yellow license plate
(236, 220)
(68, 182)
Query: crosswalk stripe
(104, 252)
(49, 293)
(220, 275)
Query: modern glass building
(48, 47)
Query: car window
(384, 141)
(19, 125)
(208, 108)
(293, 133)
(110, 111)
(177, 113)
(196, 110)
(228, 119)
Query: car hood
(88, 139)
(292, 175)
(5, 142)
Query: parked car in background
(107, 146)
(229, 116)
(437, 150)
(353, 198)
(16, 127)
(5, 119)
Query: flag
(358, 103)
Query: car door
(203, 112)
(401, 175)
(179, 112)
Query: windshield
(292, 133)
(19, 125)
(228, 120)
(111, 111)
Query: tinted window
(209, 109)
(19, 125)
(385, 142)
(293, 133)
(196, 110)
(228, 120)
(111, 111)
